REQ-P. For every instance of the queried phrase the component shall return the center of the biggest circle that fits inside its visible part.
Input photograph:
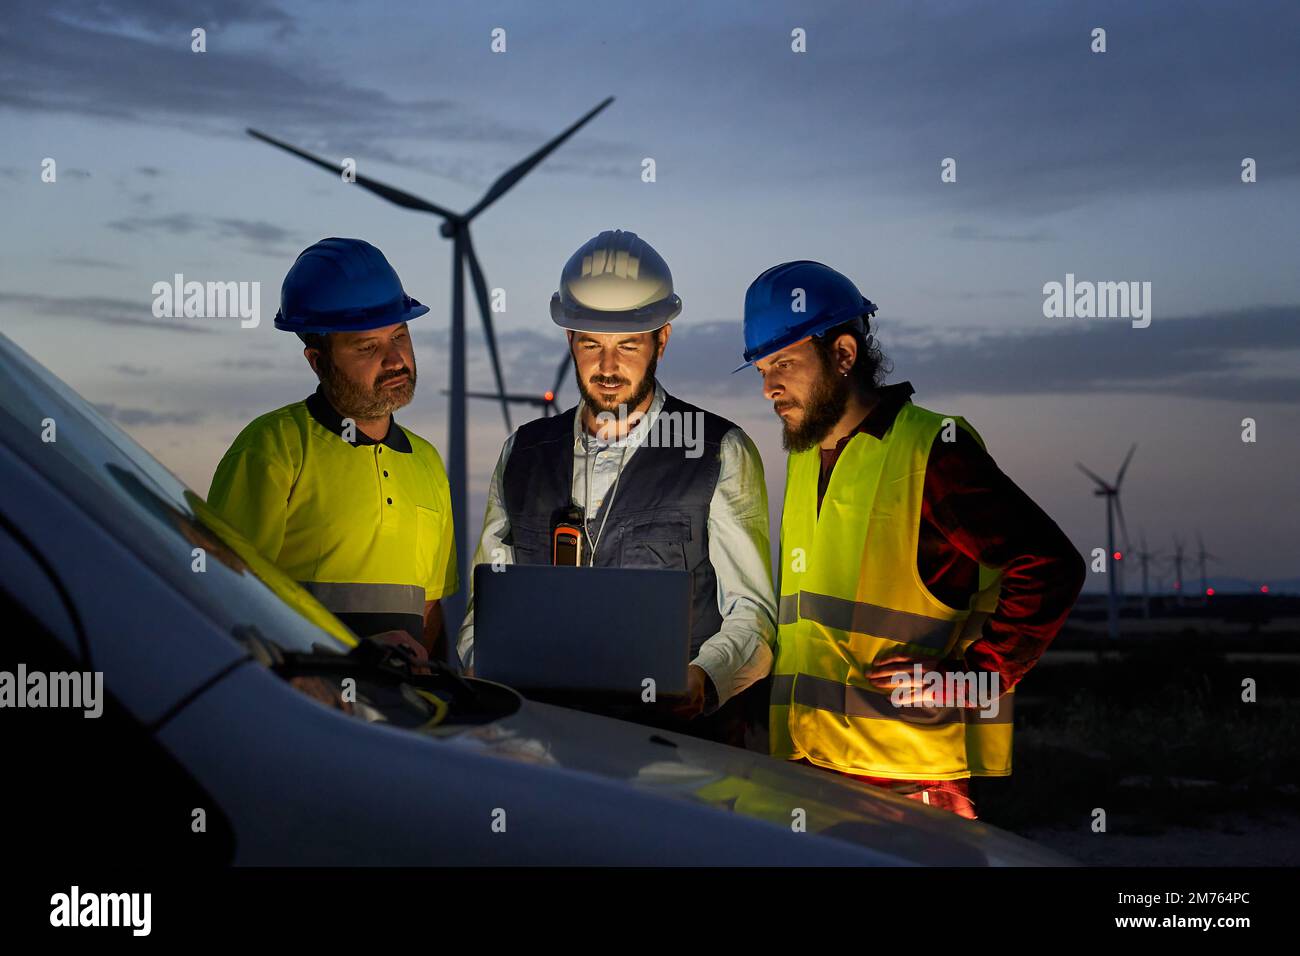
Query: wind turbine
(1146, 557)
(1202, 556)
(1113, 508)
(455, 226)
(1178, 568)
(545, 401)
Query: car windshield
(152, 513)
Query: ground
(1188, 743)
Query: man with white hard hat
(634, 499)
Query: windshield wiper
(385, 663)
(372, 653)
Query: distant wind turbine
(1178, 568)
(1146, 557)
(1113, 508)
(546, 401)
(1202, 556)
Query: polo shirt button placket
(379, 450)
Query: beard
(354, 399)
(611, 403)
(822, 411)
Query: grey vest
(658, 517)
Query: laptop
(602, 631)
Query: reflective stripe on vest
(851, 595)
(862, 618)
(373, 608)
(850, 701)
(368, 598)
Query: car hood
(784, 794)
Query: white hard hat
(615, 283)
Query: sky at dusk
(1115, 166)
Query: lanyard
(609, 500)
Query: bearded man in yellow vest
(918, 583)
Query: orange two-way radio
(566, 539)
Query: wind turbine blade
(480, 293)
(1124, 467)
(559, 374)
(390, 193)
(1093, 475)
(520, 170)
(497, 396)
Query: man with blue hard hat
(341, 497)
(918, 584)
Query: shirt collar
(889, 401)
(582, 438)
(320, 408)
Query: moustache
(403, 374)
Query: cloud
(168, 16)
(87, 262)
(246, 362)
(102, 309)
(980, 234)
(132, 416)
(1036, 121)
(135, 371)
(258, 235)
(1208, 356)
(130, 60)
(973, 295)
(176, 224)
(1214, 356)
(255, 230)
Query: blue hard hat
(343, 285)
(771, 320)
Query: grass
(1160, 736)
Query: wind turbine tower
(1113, 509)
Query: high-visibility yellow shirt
(364, 525)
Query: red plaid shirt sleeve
(971, 509)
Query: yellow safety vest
(850, 595)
